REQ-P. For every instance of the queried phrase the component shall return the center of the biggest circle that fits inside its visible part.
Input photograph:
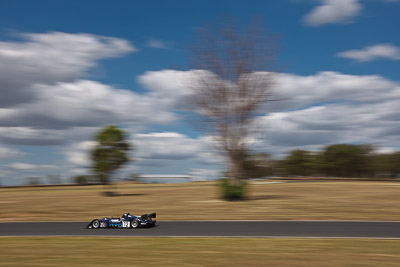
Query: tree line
(338, 160)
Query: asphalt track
(213, 229)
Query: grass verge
(355, 200)
(76, 251)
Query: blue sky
(61, 61)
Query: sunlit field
(74, 251)
(353, 200)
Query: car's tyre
(135, 223)
(96, 224)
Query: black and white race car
(125, 221)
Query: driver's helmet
(125, 215)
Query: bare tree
(232, 86)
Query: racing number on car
(125, 224)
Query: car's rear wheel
(135, 223)
(96, 224)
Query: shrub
(233, 189)
(32, 181)
(81, 179)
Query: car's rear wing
(148, 216)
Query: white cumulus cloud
(47, 58)
(314, 110)
(373, 52)
(155, 43)
(172, 146)
(29, 166)
(7, 153)
(296, 91)
(333, 12)
(78, 154)
(84, 103)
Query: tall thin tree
(232, 86)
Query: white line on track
(266, 237)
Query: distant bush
(233, 189)
(54, 179)
(80, 179)
(134, 177)
(33, 181)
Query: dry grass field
(353, 200)
(77, 251)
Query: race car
(125, 221)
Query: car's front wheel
(135, 223)
(96, 224)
